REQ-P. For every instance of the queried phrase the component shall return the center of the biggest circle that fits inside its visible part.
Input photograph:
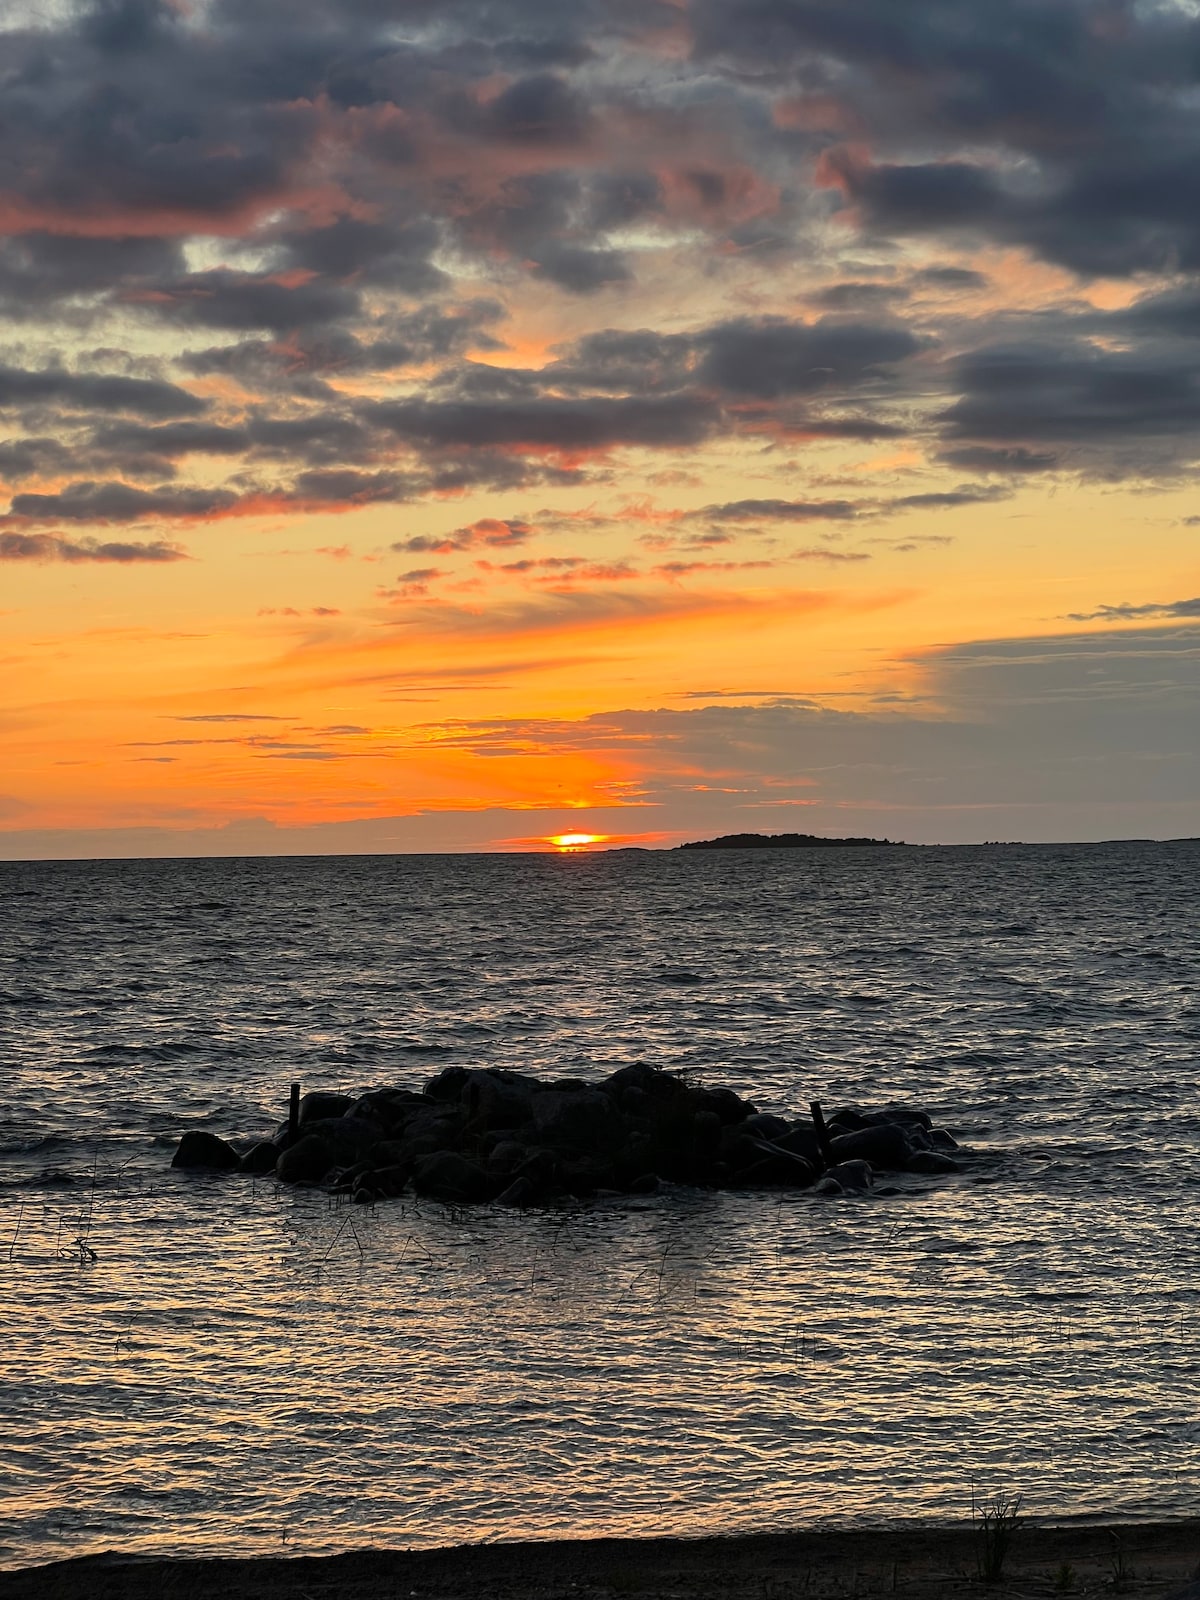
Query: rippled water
(218, 1365)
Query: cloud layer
(351, 209)
(581, 322)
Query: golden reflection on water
(245, 1367)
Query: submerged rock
(932, 1161)
(449, 1176)
(309, 1160)
(205, 1152)
(260, 1158)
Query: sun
(567, 842)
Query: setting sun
(576, 841)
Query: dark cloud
(783, 511)
(541, 109)
(176, 439)
(1071, 392)
(952, 278)
(390, 254)
(1131, 613)
(580, 270)
(51, 547)
(550, 423)
(118, 502)
(848, 510)
(1012, 459)
(854, 296)
(34, 457)
(341, 486)
(488, 532)
(40, 271)
(616, 361)
(335, 214)
(946, 499)
(1068, 126)
(227, 299)
(769, 357)
(93, 391)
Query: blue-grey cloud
(51, 547)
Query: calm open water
(200, 1364)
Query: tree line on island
(781, 841)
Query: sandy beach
(1150, 1561)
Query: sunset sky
(449, 424)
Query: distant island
(781, 841)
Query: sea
(199, 1364)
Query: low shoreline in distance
(785, 841)
(912, 1560)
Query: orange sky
(704, 432)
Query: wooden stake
(822, 1133)
(294, 1114)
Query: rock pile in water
(481, 1135)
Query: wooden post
(822, 1133)
(294, 1114)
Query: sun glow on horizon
(567, 843)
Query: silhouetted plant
(996, 1522)
(1118, 1566)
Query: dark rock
(364, 1193)
(392, 1109)
(684, 1139)
(344, 1179)
(205, 1152)
(474, 1133)
(448, 1085)
(450, 1177)
(801, 1140)
(582, 1119)
(520, 1192)
(497, 1100)
(260, 1158)
(309, 1160)
(884, 1145)
(506, 1155)
(931, 1161)
(903, 1114)
(319, 1105)
(388, 1152)
(349, 1137)
(583, 1177)
(765, 1126)
(651, 1080)
(432, 1129)
(392, 1181)
(542, 1168)
(852, 1177)
(775, 1168)
(729, 1108)
(848, 1118)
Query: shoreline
(912, 1560)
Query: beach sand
(1148, 1561)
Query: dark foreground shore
(1148, 1561)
